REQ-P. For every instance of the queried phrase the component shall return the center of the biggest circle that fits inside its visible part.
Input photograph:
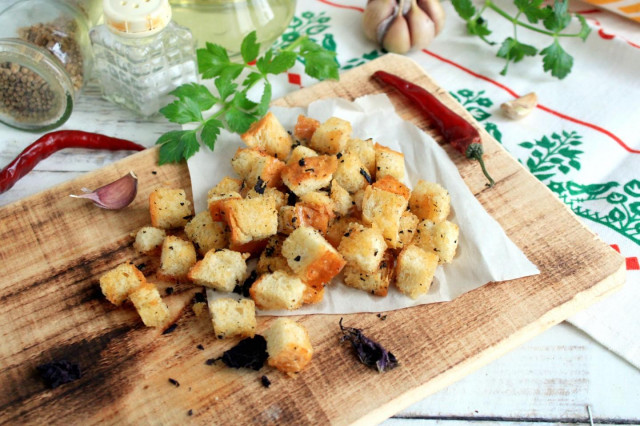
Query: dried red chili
(456, 130)
(53, 142)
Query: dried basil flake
(369, 352)
(171, 328)
(246, 285)
(265, 381)
(248, 353)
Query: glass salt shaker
(140, 55)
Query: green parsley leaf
(480, 28)
(319, 63)
(177, 145)
(532, 9)
(239, 121)
(199, 93)
(584, 28)
(252, 79)
(212, 60)
(241, 101)
(281, 62)
(250, 47)
(182, 111)
(559, 18)
(512, 50)
(210, 132)
(556, 60)
(465, 8)
(263, 62)
(226, 87)
(265, 99)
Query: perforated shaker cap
(136, 18)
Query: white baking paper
(484, 254)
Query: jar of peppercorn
(45, 58)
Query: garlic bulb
(401, 25)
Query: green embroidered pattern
(554, 154)
(311, 25)
(366, 57)
(477, 105)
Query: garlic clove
(421, 27)
(520, 107)
(377, 17)
(397, 38)
(115, 195)
(435, 11)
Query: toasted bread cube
(315, 209)
(216, 204)
(149, 239)
(338, 227)
(278, 290)
(300, 152)
(269, 135)
(430, 201)
(331, 136)
(351, 173)
(205, 234)
(220, 270)
(232, 317)
(365, 151)
(383, 209)
(178, 256)
(389, 163)
(255, 166)
(271, 258)
(118, 283)
(279, 197)
(305, 128)
(376, 283)
(440, 238)
(287, 220)
(251, 219)
(358, 197)
(312, 295)
(169, 208)
(415, 270)
(288, 346)
(391, 184)
(342, 202)
(147, 301)
(363, 247)
(408, 225)
(226, 185)
(309, 174)
(311, 257)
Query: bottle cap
(136, 18)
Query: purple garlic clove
(115, 195)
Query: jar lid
(136, 18)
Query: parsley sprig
(554, 19)
(234, 110)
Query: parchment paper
(484, 254)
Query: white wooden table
(552, 379)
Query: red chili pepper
(53, 142)
(456, 130)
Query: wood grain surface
(55, 248)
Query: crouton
(279, 197)
(120, 282)
(309, 174)
(271, 258)
(383, 209)
(257, 168)
(251, 219)
(278, 290)
(226, 189)
(227, 184)
(337, 228)
(299, 153)
(288, 346)
(408, 224)
(178, 256)
(305, 128)
(357, 200)
(312, 295)
(414, 271)
(391, 184)
(232, 317)
(315, 209)
(342, 202)
(377, 282)
(169, 208)
(311, 257)
(430, 201)
(220, 270)
(205, 234)
(351, 173)
(440, 238)
(389, 163)
(363, 247)
(287, 220)
(331, 136)
(149, 239)
(147, 301)
(365, 151)
(269, 135)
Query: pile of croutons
(308, 205)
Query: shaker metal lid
(136, 18)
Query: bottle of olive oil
(227, 22)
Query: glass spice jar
(141, 55)
(45, 58)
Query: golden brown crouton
(309, 174)
(271, 258)
(365, 151)
(279, 197)
(207, 234)
(119, 282)
(440, 238)
(430, 201)
(227, 188)
(315, 209)
(147, 301)
(269, 135)
(300, 152)
(414, 271)
(178, 256)
(342, 202)
(251, 219)
(149, 239)
(351, 173)
(391, 184)
(363, 247)
(312, 295)
(408, 224)
(338, 227)
(169, 208)
(383, 209)
(257, 168)
(311, 257)
(232, 317)
(389, 163)
(305, 128)
(376, 283)
(288, 346)
(331, 136)
(278, 290)
(287, 220)
(220, 270)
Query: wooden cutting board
(54, 248)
